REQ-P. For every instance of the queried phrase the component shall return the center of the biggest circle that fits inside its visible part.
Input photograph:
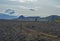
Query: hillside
(5, 16)
(29, 31)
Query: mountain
(21, 17)
(53, 17)
(37, 18)
(29, 18)
(5, 16)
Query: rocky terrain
(11, 30)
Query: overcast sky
(31, 7)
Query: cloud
(41, 7)
(58, 6)
(23, 7)
(10, 11)
(24, 0)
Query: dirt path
(34, 32)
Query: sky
(31, 7)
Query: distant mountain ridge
(37, 18)
(5, 16)
(53, 17)
(29, 18)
